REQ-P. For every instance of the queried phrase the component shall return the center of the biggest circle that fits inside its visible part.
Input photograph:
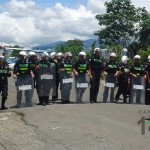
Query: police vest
(3, 73)
(123, 78)
(43, 65)
(82, 68)
(23, 69)
(96, 64)
(68, 68)
(138, 70)
(111, 68)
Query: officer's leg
(139, 96)
(112, 95)
(124, 92)
(105, 94)
(148, 99)
(4, 96)
(68, 92)
(119, 92)
(91, 91)
(63, 92)
(78, 95)
(57, 85)
(97, 84)
(44, 100)
(92, 82)
(19, 98)
(81, 94)
(28, 98)
(147, 94)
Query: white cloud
(96, 6)
(25, 23)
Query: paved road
(76, 127)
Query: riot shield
(82, 87)
(46, 81)
(137, 95)
(25, 91)
(66, 82)
(110, 83)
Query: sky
(35, 22)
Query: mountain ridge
(86, 44)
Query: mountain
(87, 45)
(48, 46)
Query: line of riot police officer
(47, 73)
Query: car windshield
(11, 60)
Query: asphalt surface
(73, 126)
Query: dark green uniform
(66, 74)
(23, 71)
(137, 95)
(4, 74)
(97, 66)
(81, 67)
(111, 68)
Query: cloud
(27, 24)
(97, 6)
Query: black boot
(3, 104)
(40, 101)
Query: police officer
(66, 71)
(147, 70)
(96, 67)
(60, 58)
(54, 60)
(111, 70)
(137, 72)
(32, 60)
(123, 79)
(22, 70)
(81, 68)
(4, 74)
(43, 86)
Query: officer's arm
(15, 71)
(132, 74)
(9, 73)
(89, 71)
(61, 68)
(75, 69)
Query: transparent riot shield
(82, 87)
(110, 84)
(137, 95)
(46, 81)
(66, 87)
(25, 91)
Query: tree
(144, 54)
(119, 23)
(15, 53)
(73, 46)
(144, 34)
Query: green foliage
(118, 23)
(144, 54)
(117, 49)
(15, 53)
(144, 34)
(124, 25)
(74, 46)
(16, 46)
